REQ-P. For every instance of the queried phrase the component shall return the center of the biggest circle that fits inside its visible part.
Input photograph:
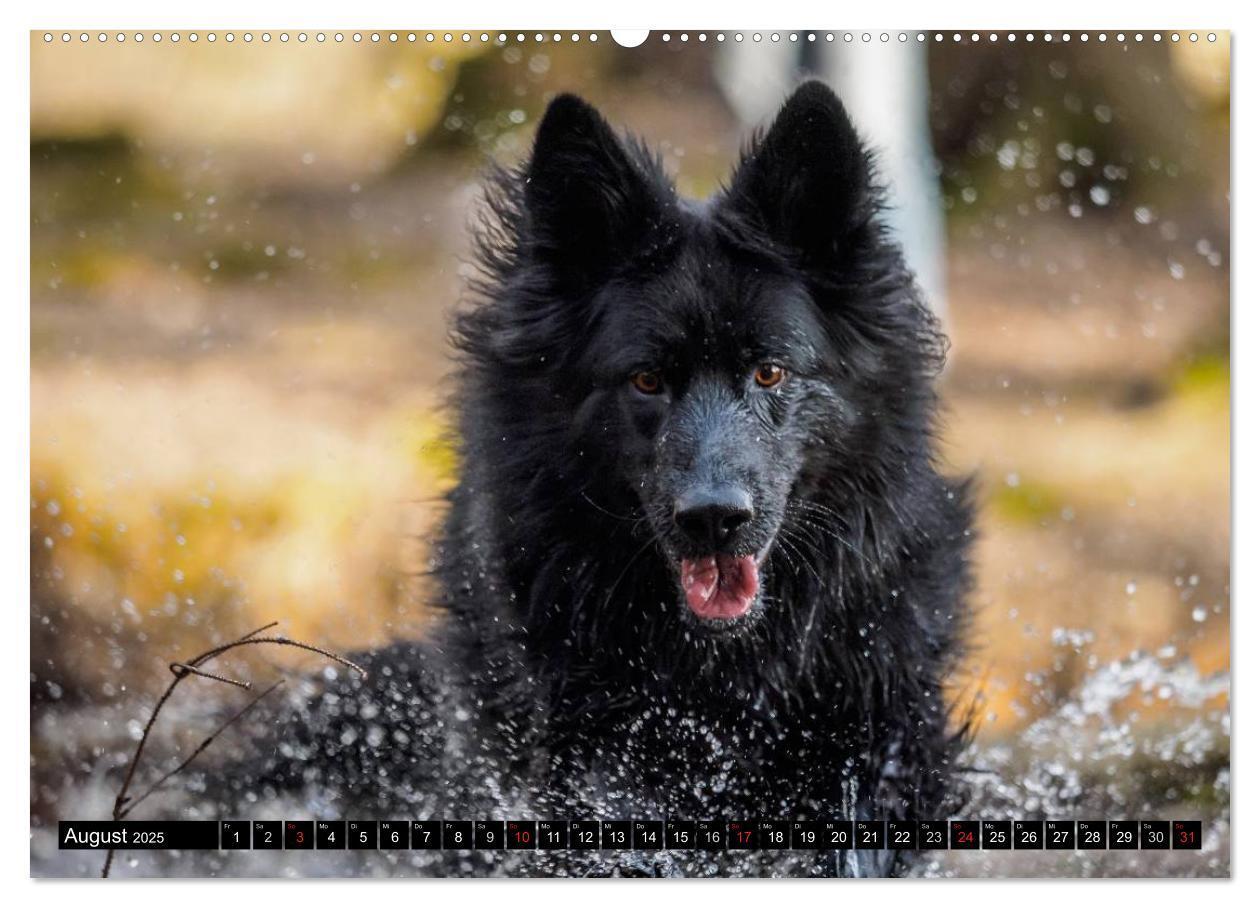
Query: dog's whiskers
(629, 564)
(603, 510)
(804, 507)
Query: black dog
(700, 563)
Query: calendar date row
(712, 835)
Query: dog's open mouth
(720, 586)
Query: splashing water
(1097, 755)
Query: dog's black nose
(711, 515)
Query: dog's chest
(696, 762)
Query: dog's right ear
(590, 203)
(807, 183)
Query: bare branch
(179, 668)
(132, 804)
(124, 804)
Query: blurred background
(243, 257)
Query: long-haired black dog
(699, 563)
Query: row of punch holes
(557, 37)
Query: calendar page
(505, 452)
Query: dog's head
(722, 360)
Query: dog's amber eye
(768, 375)
(647, 382)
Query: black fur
(568, 676)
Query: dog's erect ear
(591, 203)
(807, 182)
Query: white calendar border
(981, 14)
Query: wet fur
(564, 667)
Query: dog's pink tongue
(721, 587)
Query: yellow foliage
(350, 108)
(159, 508)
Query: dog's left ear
(807, 182)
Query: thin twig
(278, 641)
(123, 804)
(179, 668)
(132, 804)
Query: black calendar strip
(633, 835)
